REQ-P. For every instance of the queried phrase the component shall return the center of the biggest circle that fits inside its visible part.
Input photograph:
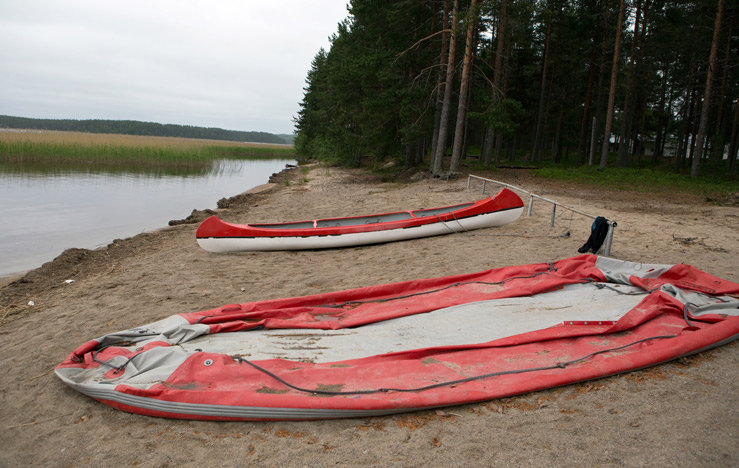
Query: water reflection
(35, 170)
(50, 209)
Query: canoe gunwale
(323, 231)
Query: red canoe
(408, 346)
(216, 235)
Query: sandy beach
(682, 414)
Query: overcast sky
(233, 64)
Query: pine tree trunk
(446, 106)
(688, 115)
(421, 150)
(695, 168)
(642, 77)
(459, 131)
(660, 120)
(502, 79)
(639, 147)
(557, 146)
(668, 111)
(626, 122)
(584, 130)
(684, 154)
(486, 150)
(538, 137)
(733, 143)
(410, 157)
(443, 57)
(599, 87)
(612, 91)
(498, 149)
(497, 92)
(690, 137)
(721, 122)
(498, 71)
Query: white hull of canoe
(236, 244)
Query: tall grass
(132, 151)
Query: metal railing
(606, 248)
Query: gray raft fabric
(476, 322)
(619, 271)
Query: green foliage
(369, 94)
(501, 115)
(373, 95)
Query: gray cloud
(234, 64)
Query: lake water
(44, 213)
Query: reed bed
(51, 147)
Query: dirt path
(679, 414)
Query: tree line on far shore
(586, 82)
(132, 127)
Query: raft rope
(107, 363)
(625, 293)
(560, 365)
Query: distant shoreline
(134, 127)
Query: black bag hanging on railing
(598, 234)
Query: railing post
(609, 239)
(605, 248)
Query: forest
(604, 83)
(132, 127)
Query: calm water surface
(45, 213)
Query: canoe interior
(360, 220)
(440, 211)
(296, 225)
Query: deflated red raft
(412, 345)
